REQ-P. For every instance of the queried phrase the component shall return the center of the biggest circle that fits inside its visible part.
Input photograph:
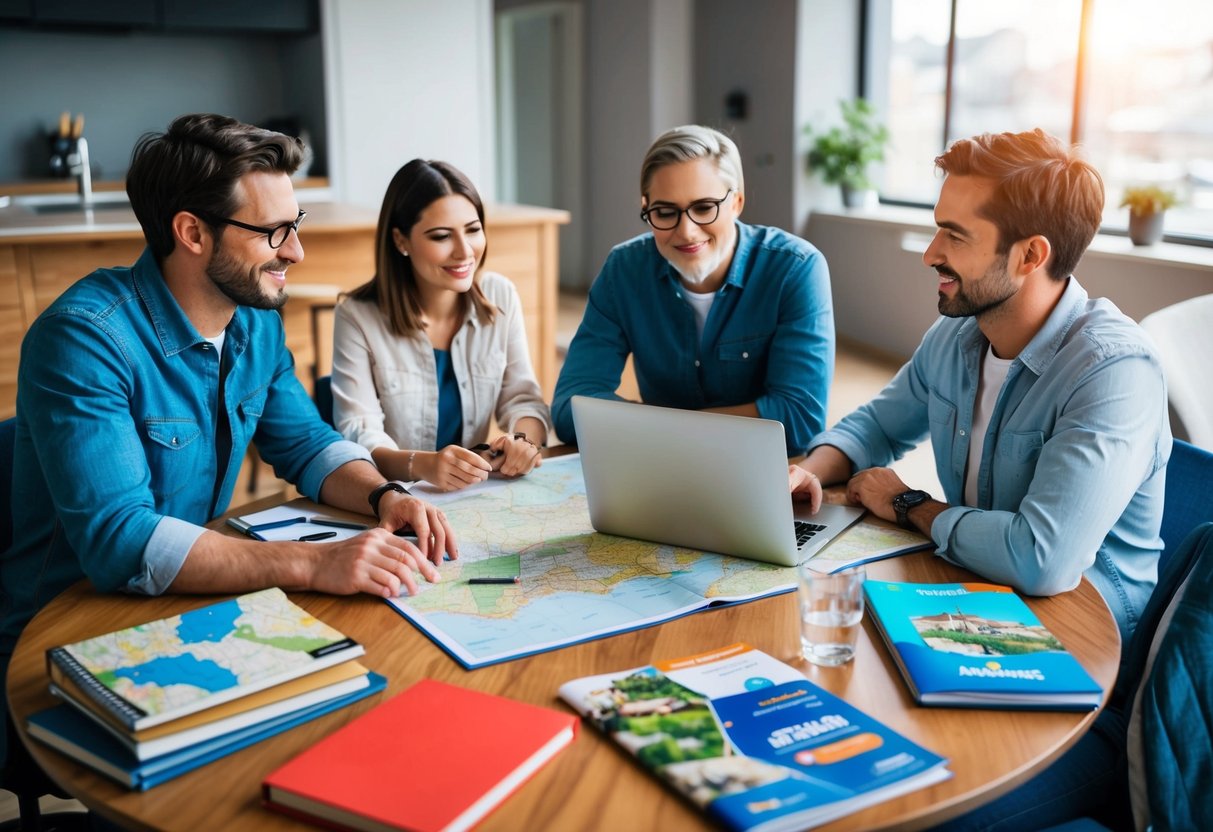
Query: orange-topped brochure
(435, 757)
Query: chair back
(1170, 743)
(322, 395)
(1185, 343)
(8, 440)
(1188, 499)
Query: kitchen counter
(42, 254)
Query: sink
(75, 207)
(66, 203)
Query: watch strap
(905, 501)
(377, 494)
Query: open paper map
(576, 584)
(866, 541)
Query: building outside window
(1131, 81)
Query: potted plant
(842, 154)
(1146, 205)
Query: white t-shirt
(993, 374)
(700, 304)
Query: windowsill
(919, 225)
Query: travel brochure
(750, 740)
(977, 645)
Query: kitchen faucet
(78, 166)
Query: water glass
(831, 607)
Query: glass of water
(831, 607)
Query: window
(1132, 83)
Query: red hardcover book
(435, 757)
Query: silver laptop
(700, 480)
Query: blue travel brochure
(750, 740)
(977, 645)
(79, 737)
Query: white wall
(633, 91)
(751, 48)
(885, 297)
(827, 40)
(407, 79)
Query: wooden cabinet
(38, 263)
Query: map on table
(575, 584)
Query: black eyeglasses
(667, 217)
(276, 235)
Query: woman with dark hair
(431, 349)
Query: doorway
(539, 119)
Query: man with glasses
(140, 388)
(717, 315)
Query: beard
(242, 285)
(988, 292)
(704, 266)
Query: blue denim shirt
(769, 337)
(114, 470)
(1074, 463)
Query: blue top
(114, 470)
(769, 337)
(1074, 464)
(450, 405)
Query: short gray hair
(687, 144)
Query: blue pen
(277, 524)
(339, 524)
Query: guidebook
(67, 730)
(977, 645)
(157, 672)
(750, 740)
(435, 758)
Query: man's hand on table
(377, 562)
(382, 560)
(405, 513)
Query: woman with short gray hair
(716, 314)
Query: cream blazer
(385, 387)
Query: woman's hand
(452, 468)
(515, 456)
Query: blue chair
(1189, 494)
(1173, 687)
(21, 774)
(322, 395)
(8, 440)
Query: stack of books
(148, 703)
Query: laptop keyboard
(805, 530)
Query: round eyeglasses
(276, 235)
(665, 217)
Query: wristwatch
(905, 501)
(377, 494)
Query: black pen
(483, 446)
(339, 524)
(309, 538)
(513, 580)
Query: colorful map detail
(576, 584)
(175, 662)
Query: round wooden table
(592, 785)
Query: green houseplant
(1146, 204)
(841, 154)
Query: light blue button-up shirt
(115, 465)
(768, 338)
(1071, 476)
